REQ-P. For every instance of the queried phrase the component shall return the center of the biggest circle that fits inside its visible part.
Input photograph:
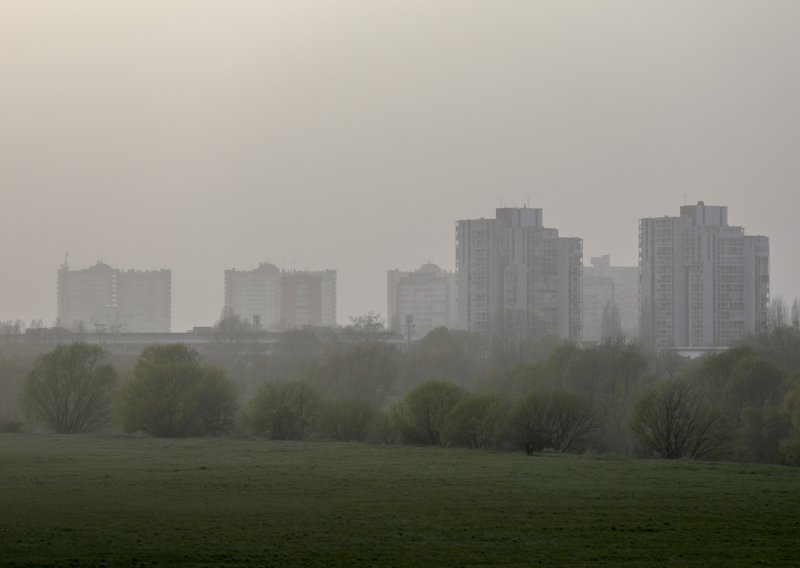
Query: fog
(200, 136)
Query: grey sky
(204, 135)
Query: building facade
(102, 298)
(255, 295)
(610, 286)
(703, 283)
(427, 296)
(274, 300)
(308, 298)
(516, 279)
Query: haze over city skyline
(352, 135)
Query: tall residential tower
(101, 298)
(517, 279)
(703, 283)
(427, 295)
(275, 300)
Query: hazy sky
(205, 135)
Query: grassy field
(95, 501)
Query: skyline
(200, 137)
(586, 263)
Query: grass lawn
(122, 501)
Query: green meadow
(128, 501)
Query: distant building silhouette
(606, 285)
(274, 300)
(428, 295)
(308, 298)
(516, 279)
(704, 283)
(255, 295)
(102, 298)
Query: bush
(283, 410)
(475, 422)
(419, 418)
(173, 395)
(672, 421)
(562, 420)
(348, 420)
(789, 452)
(69, 389)
(10, 427)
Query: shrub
(173, 395)
(419, 418)
(283, 410)
(348, 420)
(789, 452)
(69, 389)
(562, 420)
(672, 421)
(475, 422)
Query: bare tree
(69, 389)
(562, 420)
(420, 416)
(672, 421)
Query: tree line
(447, 389)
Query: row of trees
(71, 390)
(741, 404)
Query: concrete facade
(255, 295)
(604, 284)
(703, 283)
(274, 300)
(104, 298)
(516, 279)
(428, 295)
(308, 298)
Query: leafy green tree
(747, 391)
(562, 420)
(475, 422)
(673, 421)
(173, 395)
(351, 420)
(283, 410)
(420, 416)
(69, 389)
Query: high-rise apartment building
(102, 298)
(612, 286)
(274, 300)
(517, 279)
(255, 295)
(703, 282)
(427, 295)
(308, 298)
